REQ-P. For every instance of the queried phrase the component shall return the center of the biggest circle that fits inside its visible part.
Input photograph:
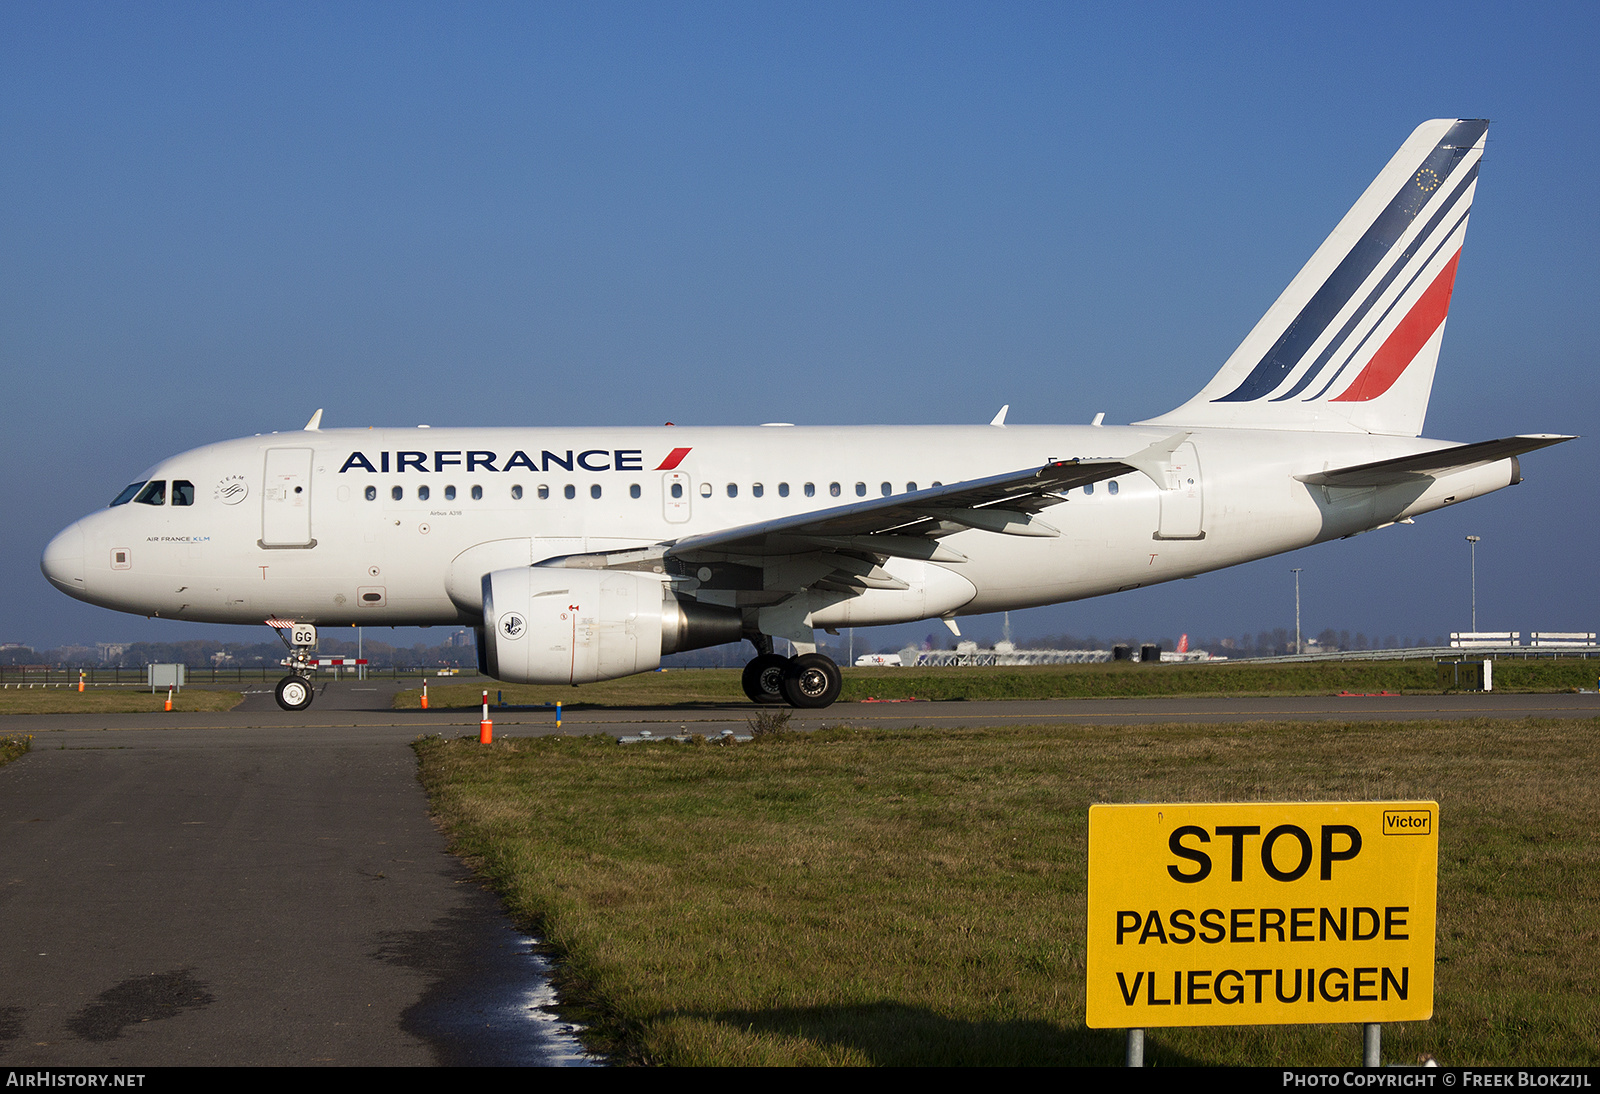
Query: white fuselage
(330, 527)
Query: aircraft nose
(63, 561)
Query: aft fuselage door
(286, 499)
(1183, 506)
(675, 497)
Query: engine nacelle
(555, 625)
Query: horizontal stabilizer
(1439, 461)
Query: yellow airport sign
(1261, 913)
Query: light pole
(1473, 540)
(1295, 570)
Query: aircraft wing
(909, 525)
(1455, 458)
(847, 544)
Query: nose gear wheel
(295, 692)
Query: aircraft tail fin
(1351, 344)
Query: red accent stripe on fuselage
(674, 458)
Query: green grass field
(111, 700)
(918, 896)
(1114, 680)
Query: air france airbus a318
(587, 554)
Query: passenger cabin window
(1089, 488)
(372, 493)
(571, 491)
(397, 493)
(783, 490)
(757, 489)
(811, 489)
(422, 493)
(1111, 487)
(705, 490)
(634, 491)
(594, 491)
(516, 493)
(911, 488)
(449, 493)
(154, 493)
(886, 489)
(861, 489)
(677, 489)
(477, 493)
(733, 490)
(833, 489)
(127, 494)
(544, 493)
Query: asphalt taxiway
(225, 892)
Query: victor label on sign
(1261, 913)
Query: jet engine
(553, 625)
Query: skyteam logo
(512, 625)
(231, 490)
(475, 460)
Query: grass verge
(106, 701)
(918, 896)
(14, 746)
(689, 687)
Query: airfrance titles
(474, 460)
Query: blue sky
(219, 217)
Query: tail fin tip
(1352, 343)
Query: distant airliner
(586, 554)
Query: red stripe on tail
(1405, 341)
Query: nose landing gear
(295, 691)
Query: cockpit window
(127, 494)
(182, 492)
(154, 493)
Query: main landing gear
(810, 681)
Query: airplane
(588, 554)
